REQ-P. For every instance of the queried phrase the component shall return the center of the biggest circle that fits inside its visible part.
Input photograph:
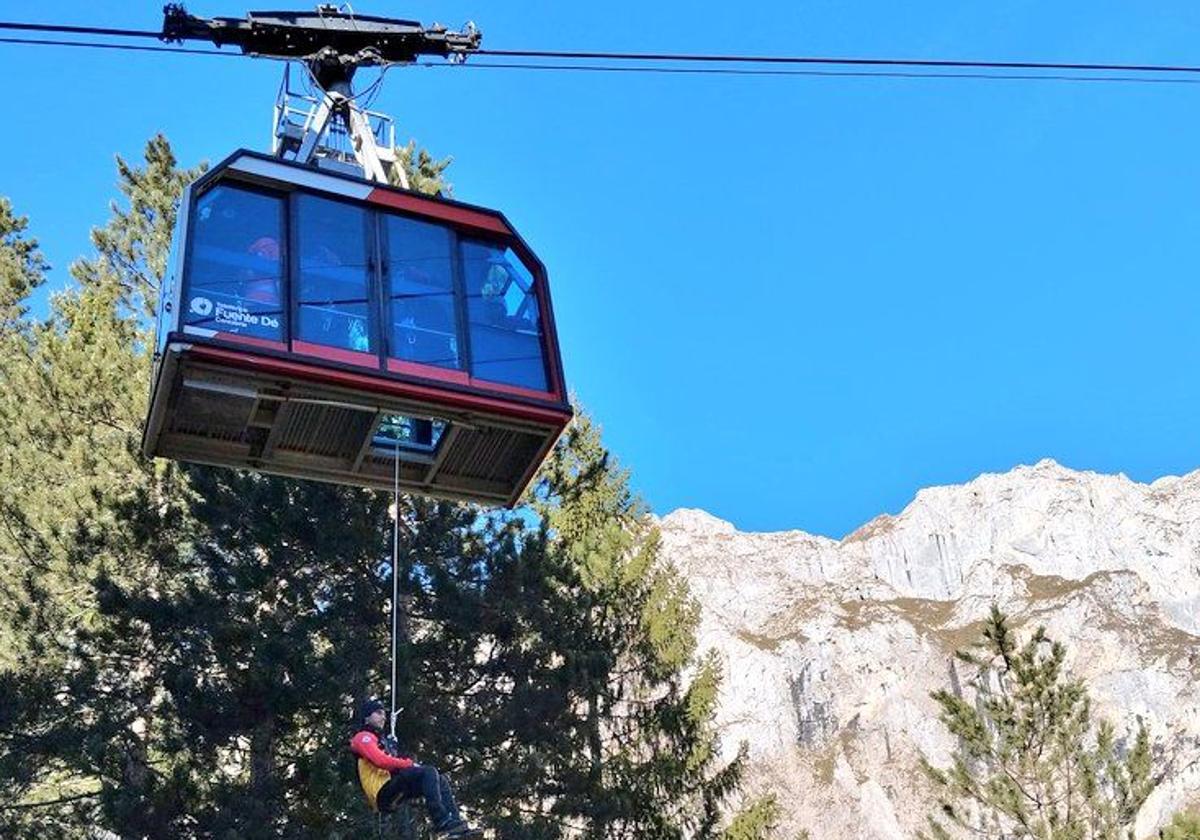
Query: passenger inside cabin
(492, 291)
(419, 277)
(235, 266)
(425, 330)
(262, 280)
(503, 315)
(333, 276)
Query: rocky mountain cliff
(831, 648)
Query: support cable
(395, 584)
(669, 71)
(79, 30)
(47, 42)
(697, 58)
(814, 73)
(711, 58)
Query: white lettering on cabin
(237, 316)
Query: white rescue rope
(395, 578)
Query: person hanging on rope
(387, 778)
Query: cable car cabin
(316, 325)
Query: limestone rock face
(831, 648)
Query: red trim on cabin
(251, 340)
(458, 377)
(437, 210)
(461, 377)
(549, 333)
(378, 384)
(336, 354)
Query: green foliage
(425, 173)
(644, 754)
(182, 646)
(70, 426)
(755, 821)
(1030, 762)
(74, 396)
(1183, 827)
(134, 246)
(581, 715)
(22, 268)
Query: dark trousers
(425, 781)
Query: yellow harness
(371, 778)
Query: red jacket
(366, 746)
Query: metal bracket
(334, 131)
(362, 140)
(333, 45)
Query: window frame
(371, 243)
(185, 281)
(378, 289)
(537, 271)
(457, 294)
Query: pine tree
(424, 172)
(22, 267)
(550, 664)
(75, 384)
(608, 710)
(756, 821)
(22, 270)
(70, 423)
(1030, 762)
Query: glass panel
(235, 266)
(421, 313)
(411, 432)
(502, 311)
(333, 288)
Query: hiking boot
(454, 829)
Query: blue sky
(792, 302)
